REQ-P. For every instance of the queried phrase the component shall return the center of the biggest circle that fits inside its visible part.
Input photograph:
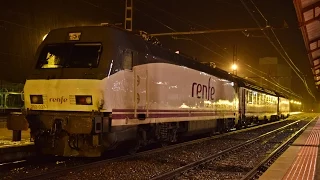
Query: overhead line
(306, 85)
(190, 23)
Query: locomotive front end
(63, 96)
(63, 116)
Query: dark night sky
(23, 23)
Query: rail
(264, 164)
(178, 171)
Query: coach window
(250, 97)
(127, 59)
(247, 96)
(254, 97)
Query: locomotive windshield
(70, 55)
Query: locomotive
(94, 88)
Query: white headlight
(88, 100)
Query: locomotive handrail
(22, 96)
(5, 90)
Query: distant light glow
(234, 67)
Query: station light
(234, 67)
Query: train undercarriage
(91, 134)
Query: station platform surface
(14, 150)
(6, 137)
(301, 159)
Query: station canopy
(308, 13)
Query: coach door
(140, 84)
(141, 91)
(242, 102)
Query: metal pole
(235, 60)
(128, 15)
(236, 56)
(16, 135)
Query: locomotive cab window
(70, 55)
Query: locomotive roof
(140, 44)
(187, 61)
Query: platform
(6, 137)
(13, 151)
(300, 160)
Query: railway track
(216, 163)
(247, 133)
(260, 168)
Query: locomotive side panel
(163, 92)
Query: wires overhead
(282, 53)
(192, 40)
(192, 27)
(105, 9)
(190, 23)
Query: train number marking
(38, 106)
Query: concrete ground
(6, 137)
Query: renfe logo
(59, 100)
(203, 91)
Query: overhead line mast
(128, 15)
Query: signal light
(36, 99)
(83, 100)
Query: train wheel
(164, 144)
(134, 148)
(239, 125)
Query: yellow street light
(234, 67)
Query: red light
(82, 100)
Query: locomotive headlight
(88, 100)
(83, 100)
(36, 99)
